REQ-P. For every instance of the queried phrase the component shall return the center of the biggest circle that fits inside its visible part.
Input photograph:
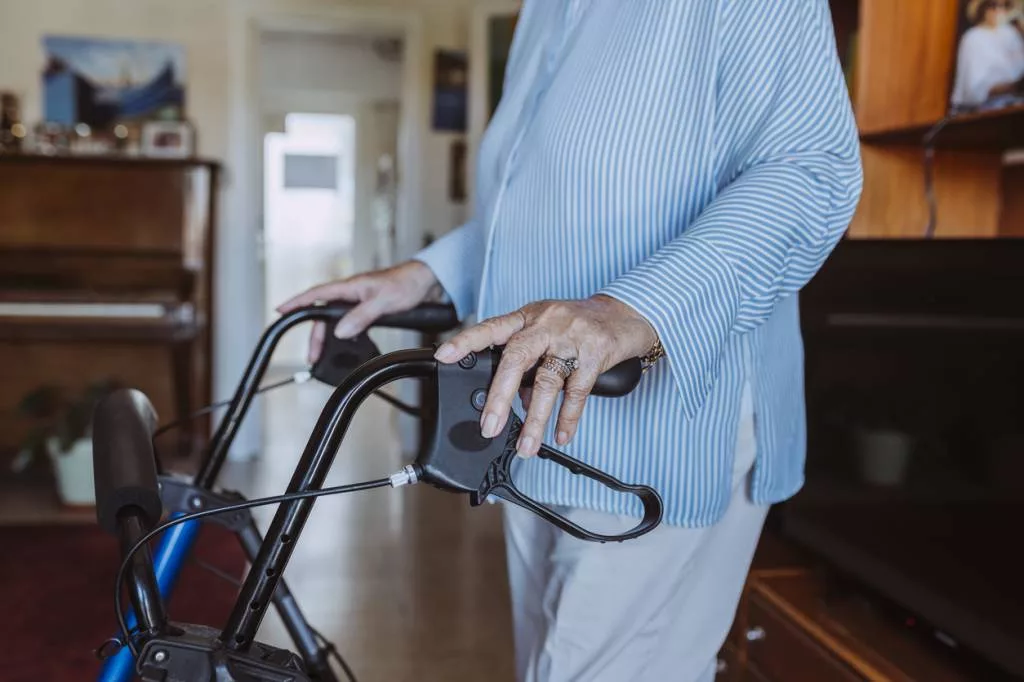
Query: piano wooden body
(105, 274)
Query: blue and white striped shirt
(698, 160)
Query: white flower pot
(73, 470)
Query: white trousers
(656, 608)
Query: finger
(346, 290)
(577, 389)
(493, 332)
(359, 318)
(546, 387)
(316, 341)
(520, 355)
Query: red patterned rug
(56, 596)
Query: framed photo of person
(989, 69)
(168, 140)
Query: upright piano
(105, 274)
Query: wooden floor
(409, 583)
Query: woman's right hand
(391, 290)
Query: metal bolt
(160, 656)
(468, 362)
(479, 399)
(195, 502)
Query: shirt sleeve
(791, 175)
(455, 260)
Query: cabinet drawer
(783, 653)
(751, 674)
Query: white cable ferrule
(407, 476)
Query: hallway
(410, 584)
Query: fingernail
(445, 353)
(525, 445)
(490, 427)
(562, 438)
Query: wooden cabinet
(775, 642)
(901, 59)
(791, 627)
(106, 274)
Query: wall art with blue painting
(103, 82)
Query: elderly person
(659, 181)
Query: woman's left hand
(598, 333)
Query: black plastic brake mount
(193, 654)
(340, 357)
(460, 459)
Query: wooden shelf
(102, 159)
(996, 130)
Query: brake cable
(297, 378)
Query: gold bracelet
(657, 352)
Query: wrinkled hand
(598, 332)
(391, 290)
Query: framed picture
(457, 172)
(989, 70)
(103, 82)
(451, 76)
(167, 140)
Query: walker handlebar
(458, 460)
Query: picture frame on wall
(105, 81)
(989, 68)
(451, 80)
(457, 172)
(167, 140)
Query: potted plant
(62, 431)
(903, 422)
(885, 425)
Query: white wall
(216, 35)
(324, 62)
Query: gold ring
(560, 366)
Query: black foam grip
(430, 318)
(616, 382)
(124, 462)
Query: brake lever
(459, 459)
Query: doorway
(331, 111)
(308, 213)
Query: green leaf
(41, 403)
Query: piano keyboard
(133, 311)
